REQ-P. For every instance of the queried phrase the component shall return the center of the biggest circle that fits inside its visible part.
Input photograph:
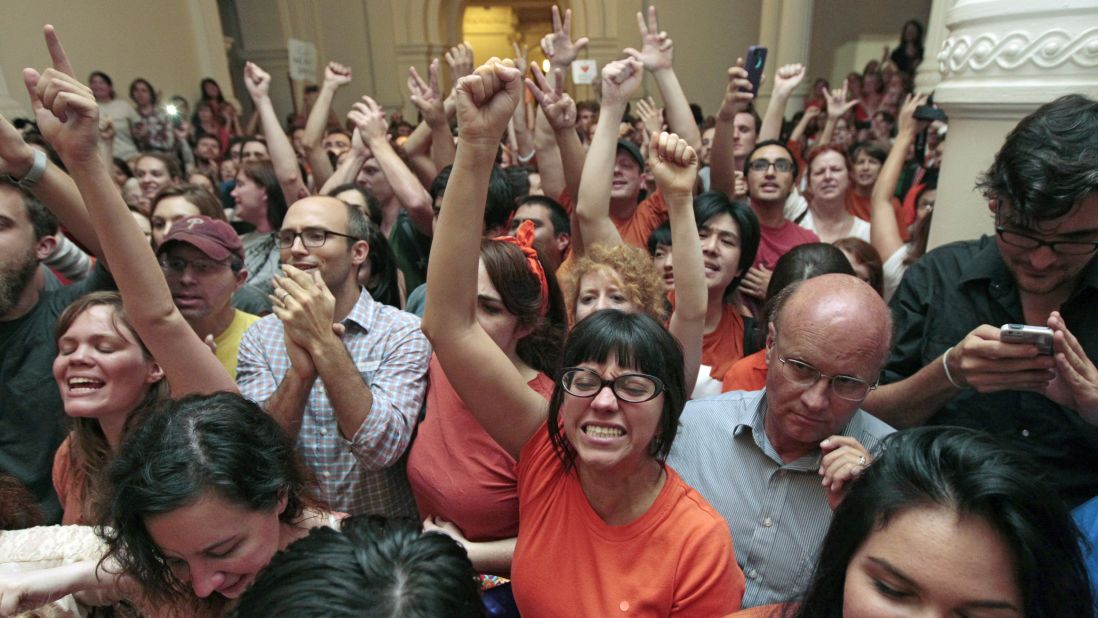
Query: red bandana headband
(524, 239)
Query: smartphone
(1039, 336)
(930, 113)
(754, 63)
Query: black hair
(1047, 164)
(107, 78)
(764, 144)
(222, 444)
(41, 219)
(372, 205)
(637, 342)
(872, 149)
(153, 97)
(383, 285)
(500, 203)
(713, 203)
(659, 236)
(973, 474)
(202, 90)
(799, 264)
(557, 215)
(374, 567)
(125, 167)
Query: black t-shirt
(31, 414)
(957, 287)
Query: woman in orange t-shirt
(600, 515)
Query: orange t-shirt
(775, 610)
(724, 345)
(457, 471)
(746, 374)
(68, 482)
(675, 559)
(636, 228)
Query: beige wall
(836, 23)
(124, 38)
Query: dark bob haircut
(637, 342)
(373, 568)
(973, 474)
(714, 203)
(1049, 162)
(222, 444)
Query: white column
(927, 76)
(785, 29)
(1000, 60)
(10, 108)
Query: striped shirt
(364, 474)
(777, 512)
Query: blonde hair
(631, 266)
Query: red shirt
(724, 346)
(636, 228)
(457, 471)
(774, 242)
(746, 374)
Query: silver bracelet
(527, 158)
(945, 366)
(32, 177)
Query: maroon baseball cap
(217, 239)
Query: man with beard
(30, 404)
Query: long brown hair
(90, 449)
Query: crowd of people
(538, 356)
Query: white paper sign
(585, 71)
(302, 60)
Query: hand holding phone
(1039, 336)
(755, 62)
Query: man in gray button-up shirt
(775, 462)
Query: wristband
(526, 159)
(32, 177)
(945, 366)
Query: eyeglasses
(311, 238)
(762, 165)
(629, 387)
(803, 374)
(199, 266)
(1065, 247)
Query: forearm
(799, 130)
(345, 173)
(349, 395)
(687, 322)
(572, 158)
(58, 192)
(424, 168)
(287, 404)
(722, 172)
(442, 145)
(680, 119)
(419, 141)
(775, 115)
(317, 121)
(884, 231)
(282, 153)
(593, 205)
(524, 138)
(913, 400)
(407, 188)
(320, 164)
(550, 163)
(828, 131)
(492, 556)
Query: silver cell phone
(1039, 336)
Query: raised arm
(352, 163)
(55, 189)
(655, 54)
(809, 114)
(722, 162)
(558, 45)
(335, 77)
(258, 83)
(786, 80)
(407, 188)
(620, 79)
(559, 111)
(884, 231)
(675, 167)
(188, 363)
(485, 379)
(427, 98)
(837, 107)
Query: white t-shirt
(860, 228)
(121, 114)
(894, 269)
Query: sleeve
(69, 259)
(253, 372)
(398, 386)
(708, 580)
(62, 467)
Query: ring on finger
(861, 460)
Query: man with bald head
(341, 373)
(775, 462)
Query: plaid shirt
(365, 474)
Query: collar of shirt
(363, 313)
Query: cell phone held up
(1039, 336)
(754, 63)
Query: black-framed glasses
(780, 165)
(628, 387)
(199, 266)
(1026, 241)
(311, 237)
(803, 374)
